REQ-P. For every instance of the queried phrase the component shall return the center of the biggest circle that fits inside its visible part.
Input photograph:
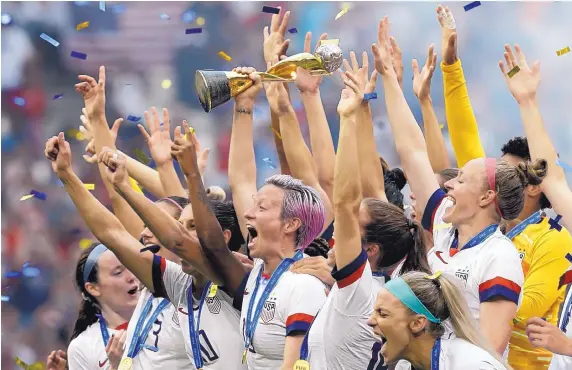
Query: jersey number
(376, 362)
(159, 323)
(208, 352)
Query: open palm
(524, 84)
(274, 43)
(159, 139)
(422, 80)
(93, 92)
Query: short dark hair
(394, 180)
(518, 147)
(318, 247)
(226, 216)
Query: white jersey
(164, 347)
(560, 362)
(87, 350)
(341, 329)
(491, 268)
(289, 310)
(219, 335)
(457, 353)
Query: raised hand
(93, 93)
(160, 139)
(249, 96)
(57, 360)
(277, 95)
(274, 43)
(305, 82)
(382, 50)
(202, 155)
(397, 57)
(422, 80)
(352, 95)
(114, 349)
(524, 84)
(115, 170)
(365, 84)
(86, 129)
(185, 151)
(59, 153)
(448, 34)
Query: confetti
(190, 31)
(6, 19)
(166, 84)
(164, 17)
(328, 42)
(26, 197)
(441, 126)
(276, 133)
(85, 243)
(566, 167)
(189, 16)
(58, 96)
(25, 366)
(563, 51)
(80, 136)
(47, 38)
(268, 161)
(102, 6)
(133, 118)
(513, 71)
(12, 274)
(39, 194)
(78, 55)
(75, 231)
(341, 13)
(293, 30)
(5, 298)
(370, 96)
(201, 21)
(141, 156)
(270, 10)
(18, 100)
(555, 223)
(472, 5)
(89, 186)
(31, 272)
(82, 25)
(224, 56)
(569, 257)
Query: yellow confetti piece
(141, 156)
(25, 366)
(82, 25)
(442, 226)
(89, 186)
(85, 243)
(341, 13)
(441, 126)
(26, 197)
(330, 42)
(276, 133)
(166, 84)
(563, 51)
(135, 185)
(201, 21)
(224, 56)
(513, 71)
(80, 136)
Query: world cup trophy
(217, 87)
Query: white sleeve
(307, 296)
(169, 280)
(76, 358)
(500, 271)
(353, 295)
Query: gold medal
(126, 364)
(212, 291)
(244, 356)
(301, 365)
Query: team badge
(268, 312)
(213, 305)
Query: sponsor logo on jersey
(438, 254)
(214, 305)
(183, 312)
(521, 255)
(268, 312)
(102, 364)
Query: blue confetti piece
(293, 30)
(5, 298)
(102, 6)
(75, 231)
(555, 223)
(133, 118)
(6, 19)
(26, 265)
(189, 16)
(78, 55)
(118, 9)
(164, 17)
(472, 5)
(12, 274)
(370, 96)
(569, 257)
(190, 31)
(18, 100)
(270, 10)
(31, 272)
(47, 38)
(58, 96)
(566, 167)
(268, 161)
(39, 194)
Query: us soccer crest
(268, 311)
(214, 305)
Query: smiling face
(414, 214)
(149, 239)
(116, 287)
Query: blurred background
(151, 61)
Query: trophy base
(213, 88)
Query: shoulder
(84, 343)
(552, 236)
(302, 281)
(471, 356)
(499, 245)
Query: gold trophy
(217, 87)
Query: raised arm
(297, 153)
(523, 87)
(436, 148)
(461, 119)
(209, 232)
(320, 136)
(347, 182)
(102, 223)
(408, 138)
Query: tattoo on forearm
(242, 110)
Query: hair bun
(396, 176)
(216, 193)
(532, 172)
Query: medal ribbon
(532, 219)
(141, 332)
(477, 239)
(566, 312)
(194, 331)
(104, 331)
(304, 352)
(435, 352)
(252, 320)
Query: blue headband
(401, 290)
(92, 260)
